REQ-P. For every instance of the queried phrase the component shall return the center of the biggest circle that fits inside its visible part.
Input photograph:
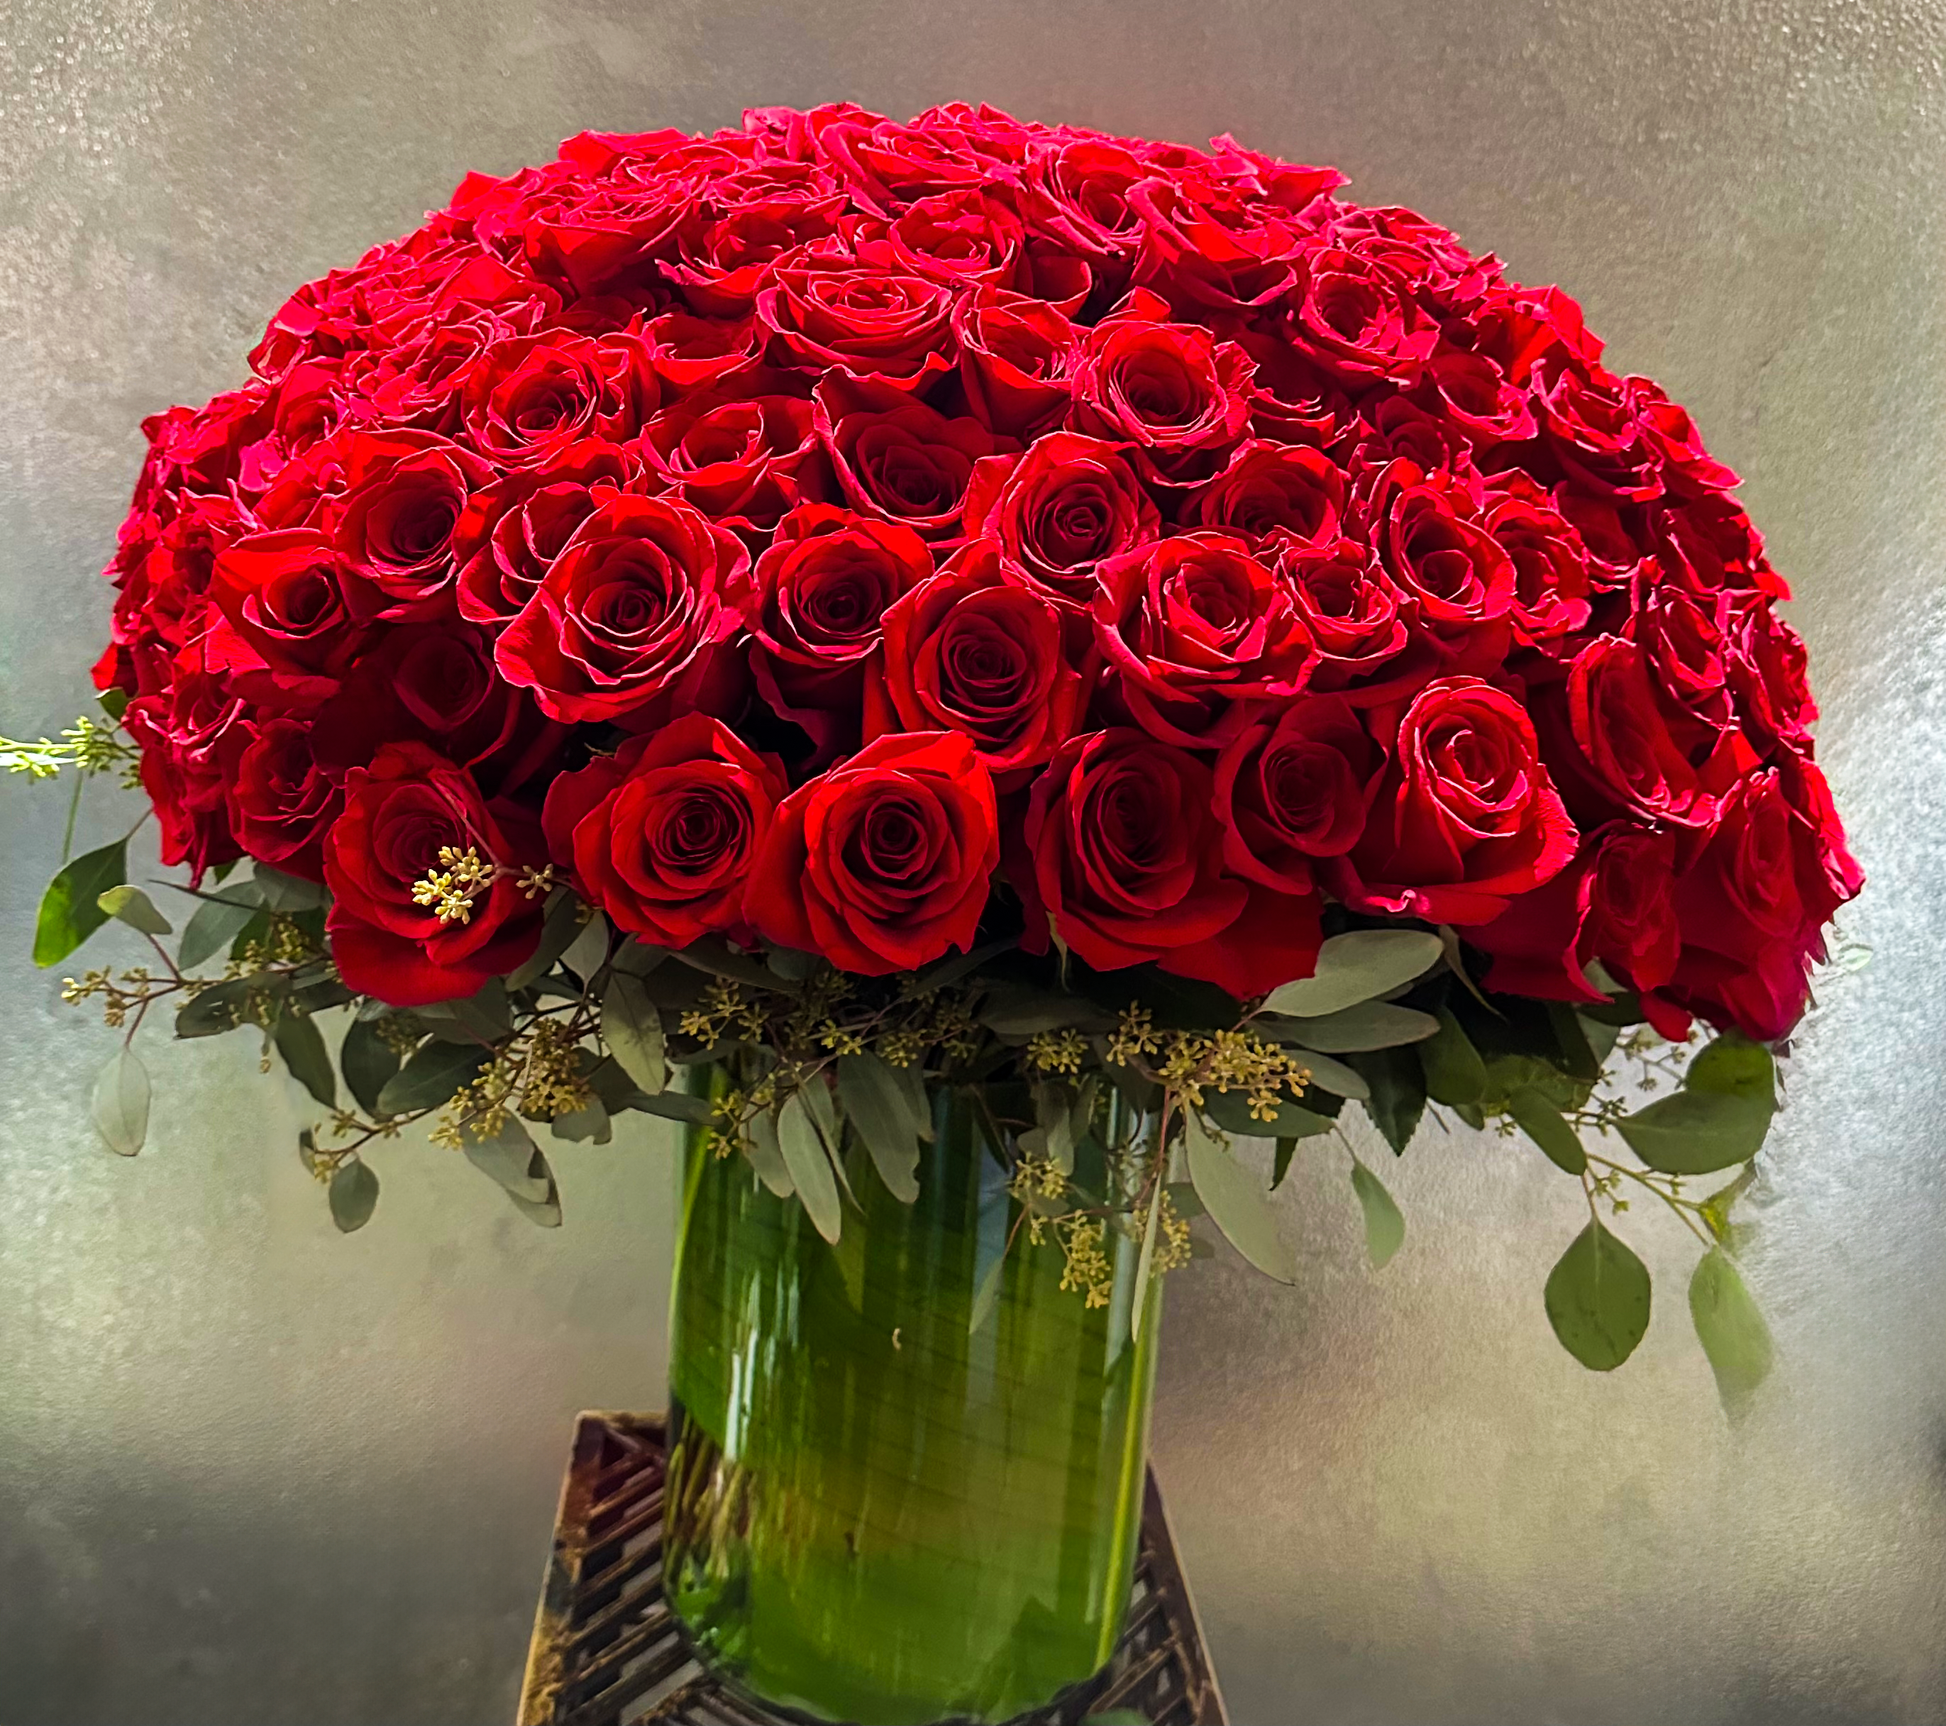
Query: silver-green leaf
(1238, 1203)
(132, 906)
(217, 921)
(1598, 1299)
(1384, 1222)
(1542, 1122)
(354, 1195)
(508, 1158)
(301, 1044)
(1730, 1328)
(1359, 966)
(632, 1028)
(876, 1108)
(1353, 1030)
(765, 1155)
(121, 1105)
(809, 1165)
(588, 951)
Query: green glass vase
(883, 1508)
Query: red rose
(1474, 394)
(1015, 357)
(513, 530)
(979, 649)
(1595, 437)
(1752, 907)
(1061, 509)
(1193, 626)
(190, 737)
(820, 593)
(1275, 488)
(1456, 575)
(1122, 850)
(965, 239)
(788, 204)
(1351, 613)
(1078, 196)
(403, 495)
(281, 801)
(1295, 786)
(662, 835)
(408, 817)
(634, 611)
(1172, 390)
(530, 398)
(1465, 817)
(1361, 319)
(1550, 596)
(898, 458)
(1765, 664)
(689, 352)
(882, 863)
(738, 460)
(1293, 399)
(1612, 903)
(283, 594)
(831, 310)
(1212, 240)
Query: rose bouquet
(918, 604)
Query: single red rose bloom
(884, 862)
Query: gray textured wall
(251, 1472)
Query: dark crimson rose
(190, 735)
(1597, 440)
(513, 530)
(1015, 358)
(1765, 664)
(1612, 903)
(1225, 237)
(882, 863)
(437, 684)
(281, 801)
(409, 817)
(1453, 572)
(283, 594)
(739, 461)
(900, 459)
(819, 597)
(1709, 545)
(634, 611)
(1474, 394)
(528, 399)
(1294, 786)
(830, 309)
(1194, 625)
(1550, 596)
(393, 523)
(1275, 488)
(1175, 392)
(1686, 656)
(1360, 318)
(1465, 816)
(1293, 398)
(1078, 196)
(1122, 850)
(979, 649)
(1061, 510)
(663, 835)
(1633, 753)
(1518, 327)
(1348, 608)
(722, 268)
(1752, 908)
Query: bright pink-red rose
(1175, 392)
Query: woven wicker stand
(607, 1651)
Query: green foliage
(1719, 1117)
(430, 1077)
(1453, 1069)
(632, 1028)
(71, 908)
(121, 1103)
(876, 1105)
(1230, 1110)
(132, 906)
(1237, 1202)
(809, 1164)
(1384, 1223)
(368, 1063)
(1355, 967)
(1730, 1328)
(216, 922)
(354, 1195)
(1598, 1299)
(1397, 1084)
(1542, 1122)
(301, 1044)
(1369, 1025)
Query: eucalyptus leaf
(508, 1158)
(435, 1071)
(485, 1016)
(301, 1044)
(1730, 1328)
(216, 922)
(1335, 1077)
(1281, 1165)
(1237, 1202)
(589, 1122)
(911, 1081)
(1355, 967)
(287, 893)
(1230, 1110)
(765, 1156)
(1734, 1066)
(1028, 1012)
(1384, 1222)
(944, 973)
(132, 906)
(354, 1195)
(587, 952)
(70, 909)
(810, 1167)
(1597, 1299)
(676, 1106)
(367, 1061)
(876, 1108)
(559, 926)
(1542, 1122)
(219, 1008)
(121, 1103)
(1697, 1132)
(1453, 1068)
(718, 958)
(544, 1212)
(823, 1108)
(1054, 1115)
(632, 1028)
(1353, 1030)
(792, 966)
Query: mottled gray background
(253, 1472)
